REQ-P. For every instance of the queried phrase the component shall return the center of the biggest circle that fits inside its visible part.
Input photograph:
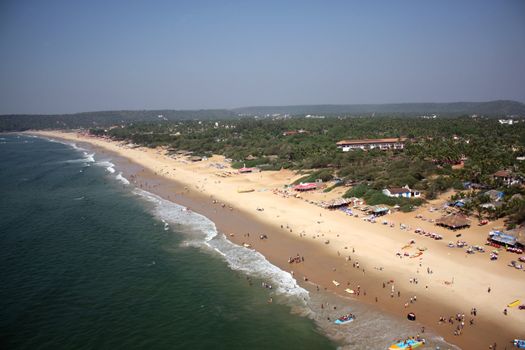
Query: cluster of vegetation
(512, 205)
(323, 175)
(439, 154)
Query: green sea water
(86, 263)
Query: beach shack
(336, 203)
(511, 239)
(308, 186)
(453, 221)
(356, 201)
(195, 158)
(501, 238)
(378, 210)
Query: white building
(367, 144)
(507, 121)
(404, 192)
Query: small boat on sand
(349, 291)
(407, 344)
(245, 190)
(345, 319)
(336, 283)
(514, 303)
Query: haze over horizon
(66, 57)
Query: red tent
(305, 186)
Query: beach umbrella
(411, 316)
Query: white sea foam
(122, 178)
(254, 263)
(86, 159)
(202, 233)
(89, 157)
(110, 167)
(74, 145)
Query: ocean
(89, 261)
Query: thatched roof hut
(335, 203)
(453, 221)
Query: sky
(73, 56)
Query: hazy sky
(71, 56)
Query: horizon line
(254, 106)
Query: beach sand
(332, 242)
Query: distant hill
(19, 122)
(106, 118)
(491, 108)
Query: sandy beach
(375, 260)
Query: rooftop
(502, 173)
(453, 221)
(369, 141)
(398, 190)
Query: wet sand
(324, 263)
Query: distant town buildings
(508, 121)
(367, 144)
(314, 116)
(432, 116)
(294, 132)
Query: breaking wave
(110, 167)
(202, 233)
(122, 179)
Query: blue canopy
(380, 210)
(500, 237)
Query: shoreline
(325, 263)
